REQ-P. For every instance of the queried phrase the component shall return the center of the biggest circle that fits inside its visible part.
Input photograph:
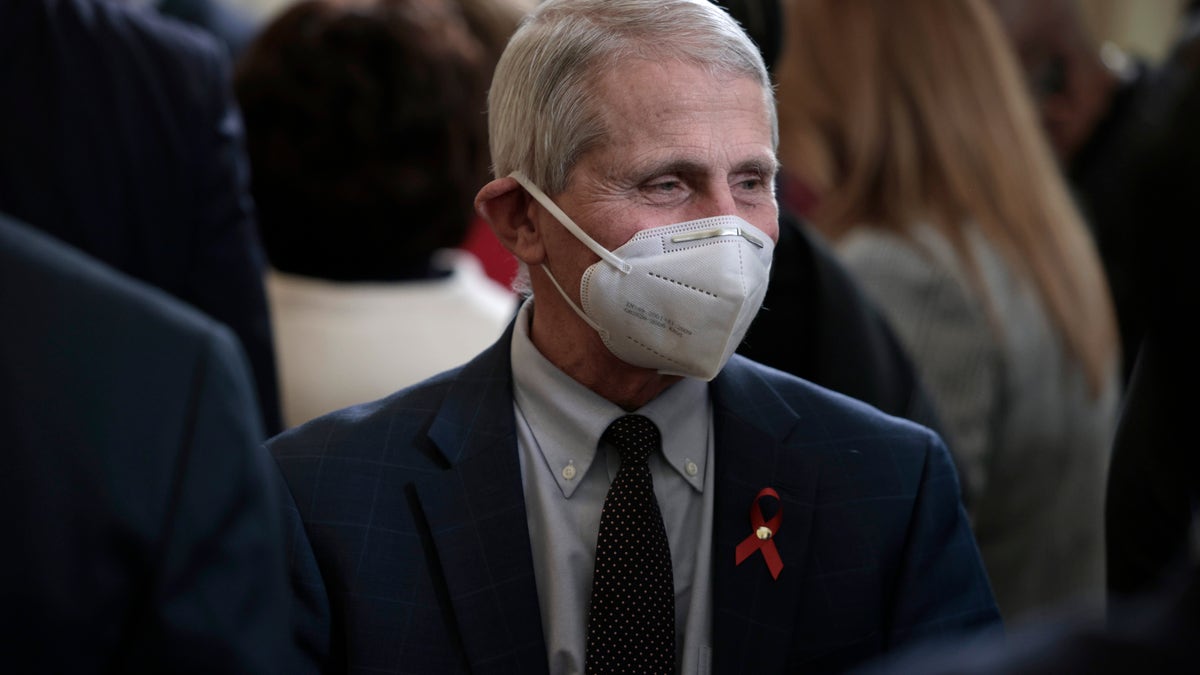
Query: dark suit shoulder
(146, 32)
(746, 385)
(119, 58)
(876, 454)
(360, 431)
(41, 272)
(129, 415)
(126, 141)
(159, 354)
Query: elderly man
(606, 489)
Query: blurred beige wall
(1141, 27)
(264, 10)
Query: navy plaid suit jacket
(410, 552)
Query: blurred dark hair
(366, 133)
(763, 22)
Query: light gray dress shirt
(566, 473)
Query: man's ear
(509, 208)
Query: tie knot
(635, 437)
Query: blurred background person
(1096, 100)
(227, 21)
(1126, 137)
(816, 322)
(1153, 499)
(911, 125)
(367, 139)
(120, 136)
(236, 22)
(1153, 619)
(143, 533)
(493, 22)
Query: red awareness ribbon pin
(762, 535)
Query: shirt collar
(567, 419)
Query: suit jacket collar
(476, 514)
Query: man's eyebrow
(765, 166)
(762, 166)
(683, 167)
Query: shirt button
(568, 472)
(691, 468)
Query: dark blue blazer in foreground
(140, 533)
(410, 552)
(119, 134)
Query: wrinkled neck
(581, 354)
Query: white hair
(544, 111)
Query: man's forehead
(679, 117)
(647, 95)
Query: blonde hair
(899, 113)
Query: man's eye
(753, 184)
(665, 186)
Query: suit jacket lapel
(754, 614)
(476, 515)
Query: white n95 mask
(676, 298)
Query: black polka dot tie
(631, 624)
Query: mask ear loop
(605, 255)
(579, 234)
(586, 319)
